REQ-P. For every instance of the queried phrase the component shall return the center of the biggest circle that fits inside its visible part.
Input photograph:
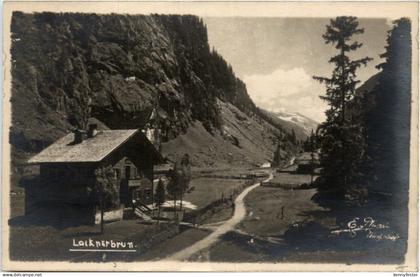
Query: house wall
(72, 185)
(127, 173)
(134, 155)
(66, 183)
(62, 193)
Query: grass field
(225, 213)
(17, 204)
(285, 225)
(288, 180)
(241, 248)
(49, 243)
(173, 245)
(270, 211)
(207, 190)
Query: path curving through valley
(229, 225)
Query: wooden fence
(198, 216)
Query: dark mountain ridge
(69, 67)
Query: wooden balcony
(134, 182)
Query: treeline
(365, 139)
(204, 72)
(117, 68)
(312, 143)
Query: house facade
(67, 177)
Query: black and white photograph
(197, 137)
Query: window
(117, 173)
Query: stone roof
(89, 150)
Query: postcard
(210, 136)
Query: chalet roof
(89, 150)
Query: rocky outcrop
(117, 68)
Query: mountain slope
(299, 121)
(243, 141)
(69, 67)
(299, 124)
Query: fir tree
(183, 171)
(173, 187)
(179, 179)
(277, 155)
(160, 195)
(342, 148)
(106, 191)
(388, 116)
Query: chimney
(92, 131)
(78, 136)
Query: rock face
(117, 68)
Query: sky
(277, 57)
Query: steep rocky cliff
(116, 68)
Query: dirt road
(238, 216)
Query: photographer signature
(369, 225)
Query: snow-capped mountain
(299, 120)
(296, 122)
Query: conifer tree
(179, 179)
(160, 195)
(388, 116)
(183, 171)
(277, 155)
(173, 187)
(342, 147)
(106, 191)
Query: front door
(127, 172)
(124, 193)
(142, 195)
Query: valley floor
(289, 225)
(280, 223)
